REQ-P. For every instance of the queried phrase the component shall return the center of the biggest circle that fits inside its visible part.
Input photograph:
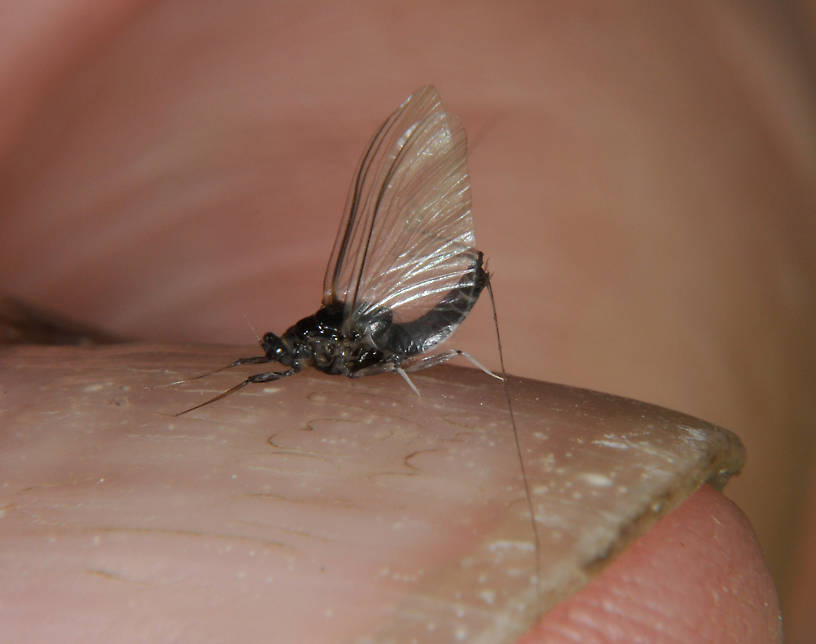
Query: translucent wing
(407, 235)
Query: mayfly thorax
(404, 271)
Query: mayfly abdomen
(422, 334)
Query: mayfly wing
(407, 235)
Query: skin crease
(596, 66)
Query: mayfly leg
(420, 364)
(235, 363)
(258, 377)
(440, 358)
(386, 367)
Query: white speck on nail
(596, 479)
(488, 596)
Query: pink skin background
(643, 188)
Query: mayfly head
(275, 349)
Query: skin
(677, 306)
(128, 520)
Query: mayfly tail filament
(519, 453)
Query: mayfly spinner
(404, 271)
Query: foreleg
(258, 377)
(236, 363)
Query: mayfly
(404, 271)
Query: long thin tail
(528, 495)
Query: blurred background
(644, 184)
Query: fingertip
(697, 576)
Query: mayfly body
(404, 271)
